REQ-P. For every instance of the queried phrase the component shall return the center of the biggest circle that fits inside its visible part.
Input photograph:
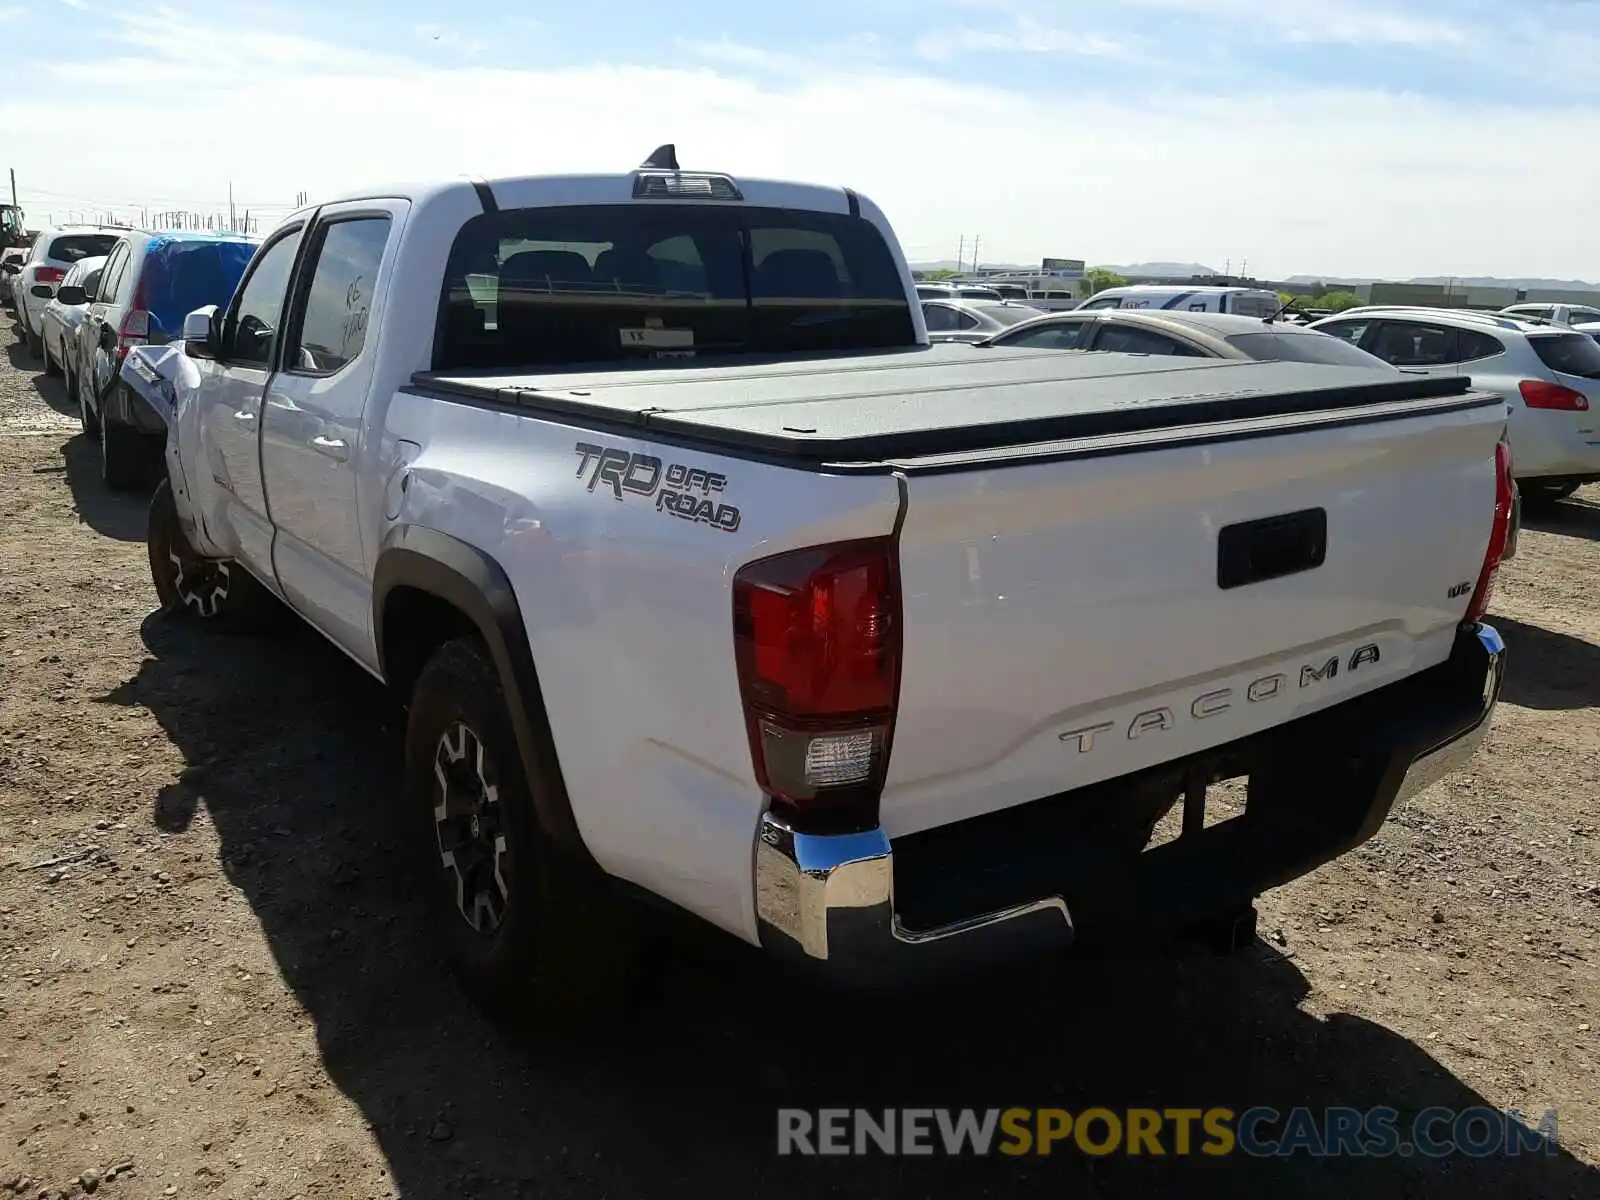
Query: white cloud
(1357, 22)
(1329, 182)
(1023, 34)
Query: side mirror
(200, 333)
(71, 293)
(42, 290)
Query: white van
(1246, 302)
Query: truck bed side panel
(628, 609)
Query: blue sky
(1325, 136)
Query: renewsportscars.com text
(1259, 1132)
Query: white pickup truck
(705, 577)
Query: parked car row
(83, 297)
(1548, 374)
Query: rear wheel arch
(430, 588)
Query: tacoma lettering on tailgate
(679, 489)
(1211, 704)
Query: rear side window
(1473, 345)
(1415, 344)
(1569, 353)
(1107, 302)
(1068, 335)
(1127, 339)
(73, 246)
(1347, 331)
(1309, 347)
(544, 286)
(333, 322)
(112, 273)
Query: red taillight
(1537, 393)
(48, 274)
(817, 642)
(135, 329)
(1499, 532)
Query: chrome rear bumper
(828, 900)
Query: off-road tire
(123, 459)
(550, 937)
(211, 592)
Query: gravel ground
(214, 980)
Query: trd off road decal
(681, 490)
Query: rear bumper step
(858, 910)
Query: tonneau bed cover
(941, 400)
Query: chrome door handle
(244, 414)
(335, 448)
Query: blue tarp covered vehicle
(186, 271)
(182, 272)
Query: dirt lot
(212, 964)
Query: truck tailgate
(1079, 611)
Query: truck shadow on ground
(1547, 670)
(294, 755)
(119, 515)
(1575, 516)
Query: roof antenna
(662, 158)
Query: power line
(84, 199)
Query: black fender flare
(471, 581)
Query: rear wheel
(206, 591)
(51, 367)
(35, 342)
(122, 456)
(523, 926)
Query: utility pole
(961, 255)
(231, 214)
(975, 238)
(1244, 268)
(13, 185)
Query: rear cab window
(607, 283)
(71, 247)
(1568, 353)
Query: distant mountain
(1165, 270)
(1463, 280)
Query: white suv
(52, 253)
(1548, 374)
(1553, 314)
